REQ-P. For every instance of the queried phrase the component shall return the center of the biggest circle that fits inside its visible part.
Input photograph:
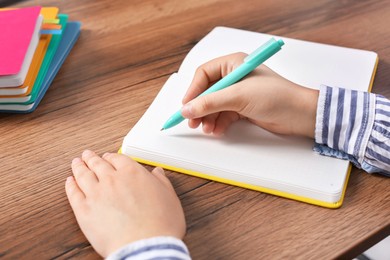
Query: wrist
(305, 113)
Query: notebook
(19, 36)
(66, 43)
(248, 156)
(21, 93)
(13, 93)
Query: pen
(251, 62)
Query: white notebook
(247, 155)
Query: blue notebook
(69, 38)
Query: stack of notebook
(34, 43)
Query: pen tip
(162, 129)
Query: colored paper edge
(51, 21)
(47, 26)
(56, 32)
(49, 78)
(51, 50)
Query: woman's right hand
(263, 97)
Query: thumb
(222, 100)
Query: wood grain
(126, 51)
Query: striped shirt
(156, 248)
(355, 126)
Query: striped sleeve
(168, 248)
(355, 126)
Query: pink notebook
(16, 30)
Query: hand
(263, 97)
(117, 201)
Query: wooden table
(126, 51)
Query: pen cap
(264, 51)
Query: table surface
(125, 53)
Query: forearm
(354, 125)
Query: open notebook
(246, 155)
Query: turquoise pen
(251, 62)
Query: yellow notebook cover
(248, 156)
(20, 93)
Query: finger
(75, 196)
(159, 173)
(210, 72)
(121, 161)
(208, 123)
(224, 120)
(194, 123)
(227, 99)
(97, 164)
(85, 178)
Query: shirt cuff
(152, 248)
(377, 155)
(345, 119)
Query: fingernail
(76, 160)
(87, 152)
(186, 111)
(105, 154)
